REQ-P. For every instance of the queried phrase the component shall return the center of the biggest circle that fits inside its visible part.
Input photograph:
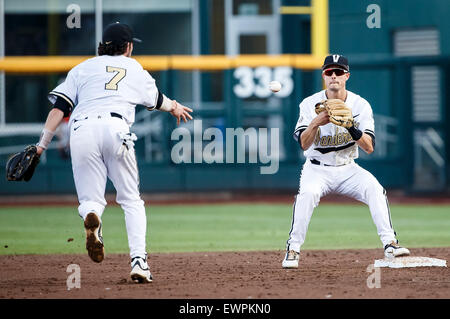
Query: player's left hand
(21, 165)
(181, 112)
(340, 114)
(40, 150)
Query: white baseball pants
(350, 180)
(94, 144)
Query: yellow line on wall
(58, 64)
(295, 10)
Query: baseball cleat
(394, 250)
(94, 239)
(140, 272)
(291, 259)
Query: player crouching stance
(101, 94)
(332, 124)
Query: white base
(410, 262)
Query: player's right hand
(322, 119)
(181, 112)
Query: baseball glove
(21, 166)
(340, 114)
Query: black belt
(112, 114)
(116, 115)
(316, 162)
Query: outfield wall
(407, 92)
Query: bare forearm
(54, 118)
(308, 136)
(365, 142)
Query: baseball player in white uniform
(330, 151)
(101, 94)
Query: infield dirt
(321, 274)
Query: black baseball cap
(336, 59)
(118, 33)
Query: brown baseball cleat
(94, 239)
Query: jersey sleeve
(149, 91)
(365, 119)
(67, 90)
(304, 120)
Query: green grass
(230, 227)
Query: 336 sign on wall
(255, 82)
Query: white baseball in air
(275, 86)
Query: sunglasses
(338, 72)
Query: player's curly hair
(111, 48)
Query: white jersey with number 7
(107, 84)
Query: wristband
(355, 133)
(45, 139)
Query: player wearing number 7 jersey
(101, 94)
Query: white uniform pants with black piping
(350, 180)
(94, 145)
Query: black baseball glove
(21, 166)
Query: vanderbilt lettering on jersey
(332, 140)
(333, 145)
(112, 84)
(337, 139)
